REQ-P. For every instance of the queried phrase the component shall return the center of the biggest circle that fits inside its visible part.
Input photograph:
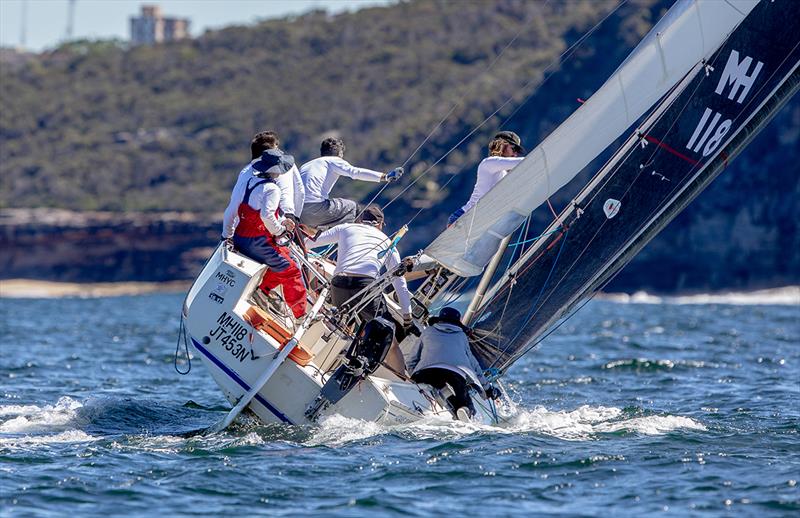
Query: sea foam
(786, 296)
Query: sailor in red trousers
(261, 222)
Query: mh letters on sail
(736, 73)
(710, 131)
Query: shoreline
(37, 289)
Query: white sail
(691, 31)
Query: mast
(491, 268)
(672, 156)
(690, 32)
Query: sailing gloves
(393, 175)
(454, 216)
(493, 392)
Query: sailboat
(697, 89)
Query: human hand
(289, 224)
(493, 392)
(454, 216)
(393, 175)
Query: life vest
(250, 222)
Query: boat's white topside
(218, 319)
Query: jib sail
(691, 30)
(683, 145)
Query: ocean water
(634, 407)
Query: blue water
(628, 409)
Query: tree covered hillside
(96, 126)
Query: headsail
(688, 140)
(691, 31)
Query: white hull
(236, 354)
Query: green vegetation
(96, 126)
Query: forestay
(691, 31)
(683, 145)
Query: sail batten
(666, 55)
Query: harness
(250, 222)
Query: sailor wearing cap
(504, 151)
(442, 356)
(360, 259)
(290, 184)
(261, 221)
(320, 175)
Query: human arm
(399, 283)
(285, 183)
(327, 237)
(299, 191)
(490, 171)
(344, 168)
(231, 217)
(269, 208)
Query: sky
(46, 25)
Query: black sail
(679, 149)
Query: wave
(786, 296)
(28, 426)
(581, 424)
(70, 421)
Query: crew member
(362, 250)
(260, 222)
(504, 151)
(290, 184)
(320, 175)
(441, 356)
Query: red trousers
(283, 271)
(294, 292)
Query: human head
(505, 143)
(273, 163)
(450, 315)
(263, 141)
(371, 215)
(332, 146)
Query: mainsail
(684, 144)
(691, 30)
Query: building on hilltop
(152, 27)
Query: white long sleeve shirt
(320, 175)
(293, 194)
(357, 254)
(490, 171)
(266, 198)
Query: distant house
(152, 27)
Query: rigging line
(570, 51)
(458, 103)
(534, 309)
(571, 314)
(662, 115)
(622, 162)
(570, 268)
(469, 90)
(566, 54)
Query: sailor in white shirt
(292, 193)
(503, 156)
(320, 175)
(261, 223)
(360, 260)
